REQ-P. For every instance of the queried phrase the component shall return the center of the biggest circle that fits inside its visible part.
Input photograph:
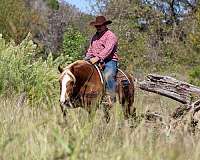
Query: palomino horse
(81, 85)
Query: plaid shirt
(103, 46)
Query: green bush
(195, 76)
(54, 4)
(73, 45)
(21, 72)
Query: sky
(83, 5)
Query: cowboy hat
(100, 20)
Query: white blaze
(65, 80)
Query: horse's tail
(126, 89)
(128, 98)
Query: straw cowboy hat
(100, 20)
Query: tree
(153, 32)
(14, 19)
(195, 34)
(55, 21)
(53, 4)
(45, 19)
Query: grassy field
(39, 133)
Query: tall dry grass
(32, 126)
(36, 133)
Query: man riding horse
(103, 50)
(81, 83)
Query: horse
(81, 85)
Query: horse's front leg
(106, 109)
(63, 109)
(91, 109)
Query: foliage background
(37, 36)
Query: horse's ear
(60, 69)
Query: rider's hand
(94, 60)
(87, 58)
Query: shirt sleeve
(111, 42)
(89, 50)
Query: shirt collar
(102, 33)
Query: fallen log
(183, 92)
(170, 87)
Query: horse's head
(67, 81)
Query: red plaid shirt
(103, 46)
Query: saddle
(120, 75)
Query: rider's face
(100, 28)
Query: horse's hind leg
(131, 108)
(126, 110)
(127, 100)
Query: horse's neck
(83, 72)
(86, 72)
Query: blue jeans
(110, 72)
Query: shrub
(54, 4)
(195, 76)
(73, 45)
(20, 72)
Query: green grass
(36, 133)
